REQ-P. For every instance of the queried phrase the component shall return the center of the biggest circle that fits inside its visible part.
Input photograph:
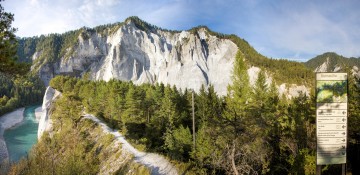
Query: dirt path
(157, 163)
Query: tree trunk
(148, 116)
(232, 158)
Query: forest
(17, 87)
(250, 131)
(333, 60)
(19, 91)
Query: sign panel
(331, 118)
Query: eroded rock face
(183, 59)
(45, 123)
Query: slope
(137, 51)
(331, 62)
(158, 164)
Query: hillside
(251, 130)
(332, 62)
(137, 51)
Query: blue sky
(291, 29)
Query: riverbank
(7, 121)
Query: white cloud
(294, 30)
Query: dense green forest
(8, 59)
(334, 61)
(19, 91)
(250, 131)
(16, 88)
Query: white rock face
(323, 67)
(292, 90)
(38, 113)
(45, 123)
(254, 73)
(337, 69)
(183, 59)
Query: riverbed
(22, 137)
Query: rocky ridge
(139, 52)
(45, 122)
(184, 59)
(332, 62)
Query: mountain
(332, 62)
(137, 51)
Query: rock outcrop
(139, 52)
(45, 123)
(184, 59)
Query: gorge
(137, 79)
(21, 138)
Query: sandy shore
(7, 121)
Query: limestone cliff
(142, 53)
(186, 59)
(45, 123)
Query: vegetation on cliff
(76, 147)
(251, 130)
(17, 89)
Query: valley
(159, 101)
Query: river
(21, 138)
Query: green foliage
(281, 70)
(178, 142)
(8, 44)
(133, 105)
(26, 48)
(303, 163)
(144, 26)
(251, 130)
(19, 91)
(353, 122)
(77, 146)
(333, 60)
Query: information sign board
(331, 118)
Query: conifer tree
(133, 102)
(8, 45)
(235, 118)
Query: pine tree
(8, 46)
(133, 106)
(235, 118)
(354, 122)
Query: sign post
(331, 118)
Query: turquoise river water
(20, 139)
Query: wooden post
(343, 168)
(318, 169)
(193, 117)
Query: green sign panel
(331, 118)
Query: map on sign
(331, 91)
(331, 118)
